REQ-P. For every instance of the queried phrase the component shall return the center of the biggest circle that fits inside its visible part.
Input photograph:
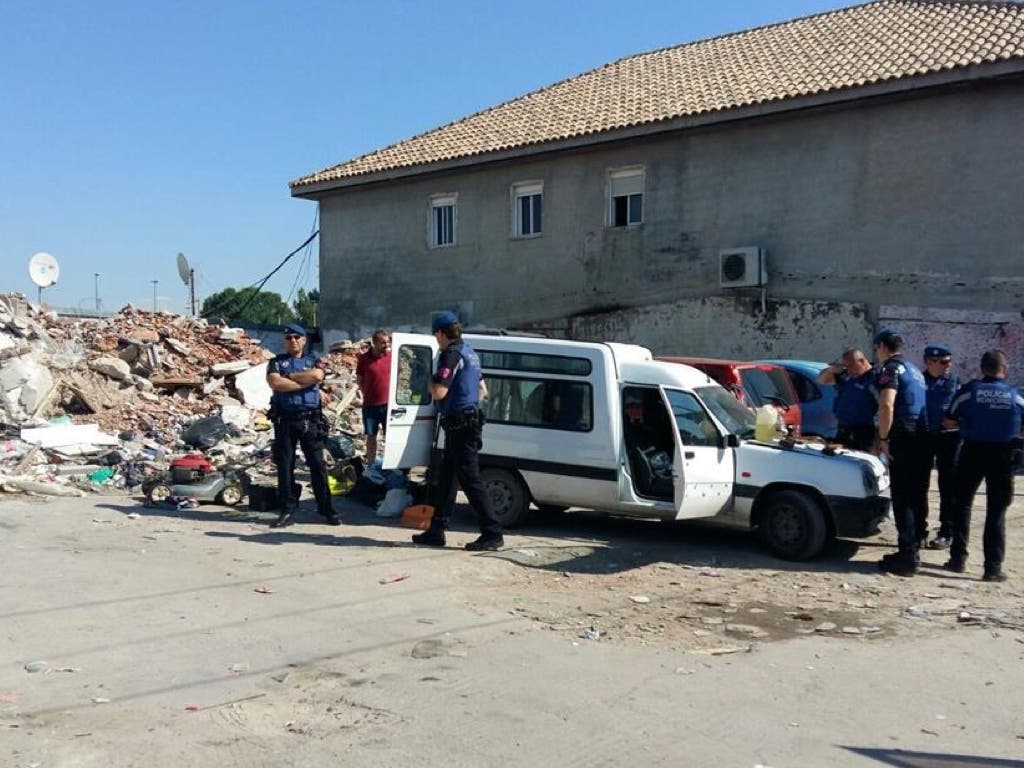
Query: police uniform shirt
(906, 378)
(989, 411)
(939, 392)
(458, 369)
(856, 399)
(306, 399)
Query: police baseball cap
(937, 350)
(884, 335)
(443, 320)
(295, 328)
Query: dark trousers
(991, 462)
(856, 438)
(905, 473)
(460, 465)
(938, 450)
(304, 431)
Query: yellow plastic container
(766, 428)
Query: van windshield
(734, 416)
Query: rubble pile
(106, 401)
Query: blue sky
(130, 131)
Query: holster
(462, 421)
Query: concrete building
(873, 156)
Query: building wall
(913, 202)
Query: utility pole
(96, 279)
(154, 282)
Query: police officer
(457, 386)
(989, 412)
(856, 400)
(298, 419)
(937, 443)
(901, 401)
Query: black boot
(486, 544)
(899, 564)
(284, 520)
(432, 537)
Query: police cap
(443, 320)
(295, 328)
(937, 350)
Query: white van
(557, 434)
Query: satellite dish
(183, 269)
(43, 270)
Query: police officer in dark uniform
(457, 386)
(989, 412)
(938, 444)
(856, 400)
(901, 402)
(298, 420)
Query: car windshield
(727, 409)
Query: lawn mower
(193, 476)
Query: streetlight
(96, 279)
(154, 282)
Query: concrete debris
(91, 404)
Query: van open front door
(410, 408)
(703, 467)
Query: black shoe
(997, 575)
(486, 544)
(956, 565)
(331, 519)
(429, 538)
(284, 520)
(898, 565)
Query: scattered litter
(642, 599)
(35, 666)
(393, 578)
(852, 630)
(723, 651)
(916, 612)
(929, 732)
(263, 589)
(825, 626)
(746, 629)
(133, 515)
(238, 668)
(963, 585)
(590, 634)
(100, 700)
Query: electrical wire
(258, 284)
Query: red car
(754, 384)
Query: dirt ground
(202, 637)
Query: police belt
(305, 414)
(905, 427)
(466, 418)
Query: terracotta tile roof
(844, 49)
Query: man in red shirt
(373, 375)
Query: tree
(306, 306)
(248, 306)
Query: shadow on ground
(900, 758)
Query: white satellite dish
(43, 270)
(183, 270)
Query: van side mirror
(732, 441)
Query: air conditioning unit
(742, 267)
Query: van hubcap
(501, 497)
(788, 525)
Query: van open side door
(703, 467)
(411, 410)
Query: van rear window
(531, 363)
(544, 403)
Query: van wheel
(792, 525)
(509, 501)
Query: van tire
(792, 525)
(510, 502)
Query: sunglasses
(292, 336)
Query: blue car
(816, 400)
